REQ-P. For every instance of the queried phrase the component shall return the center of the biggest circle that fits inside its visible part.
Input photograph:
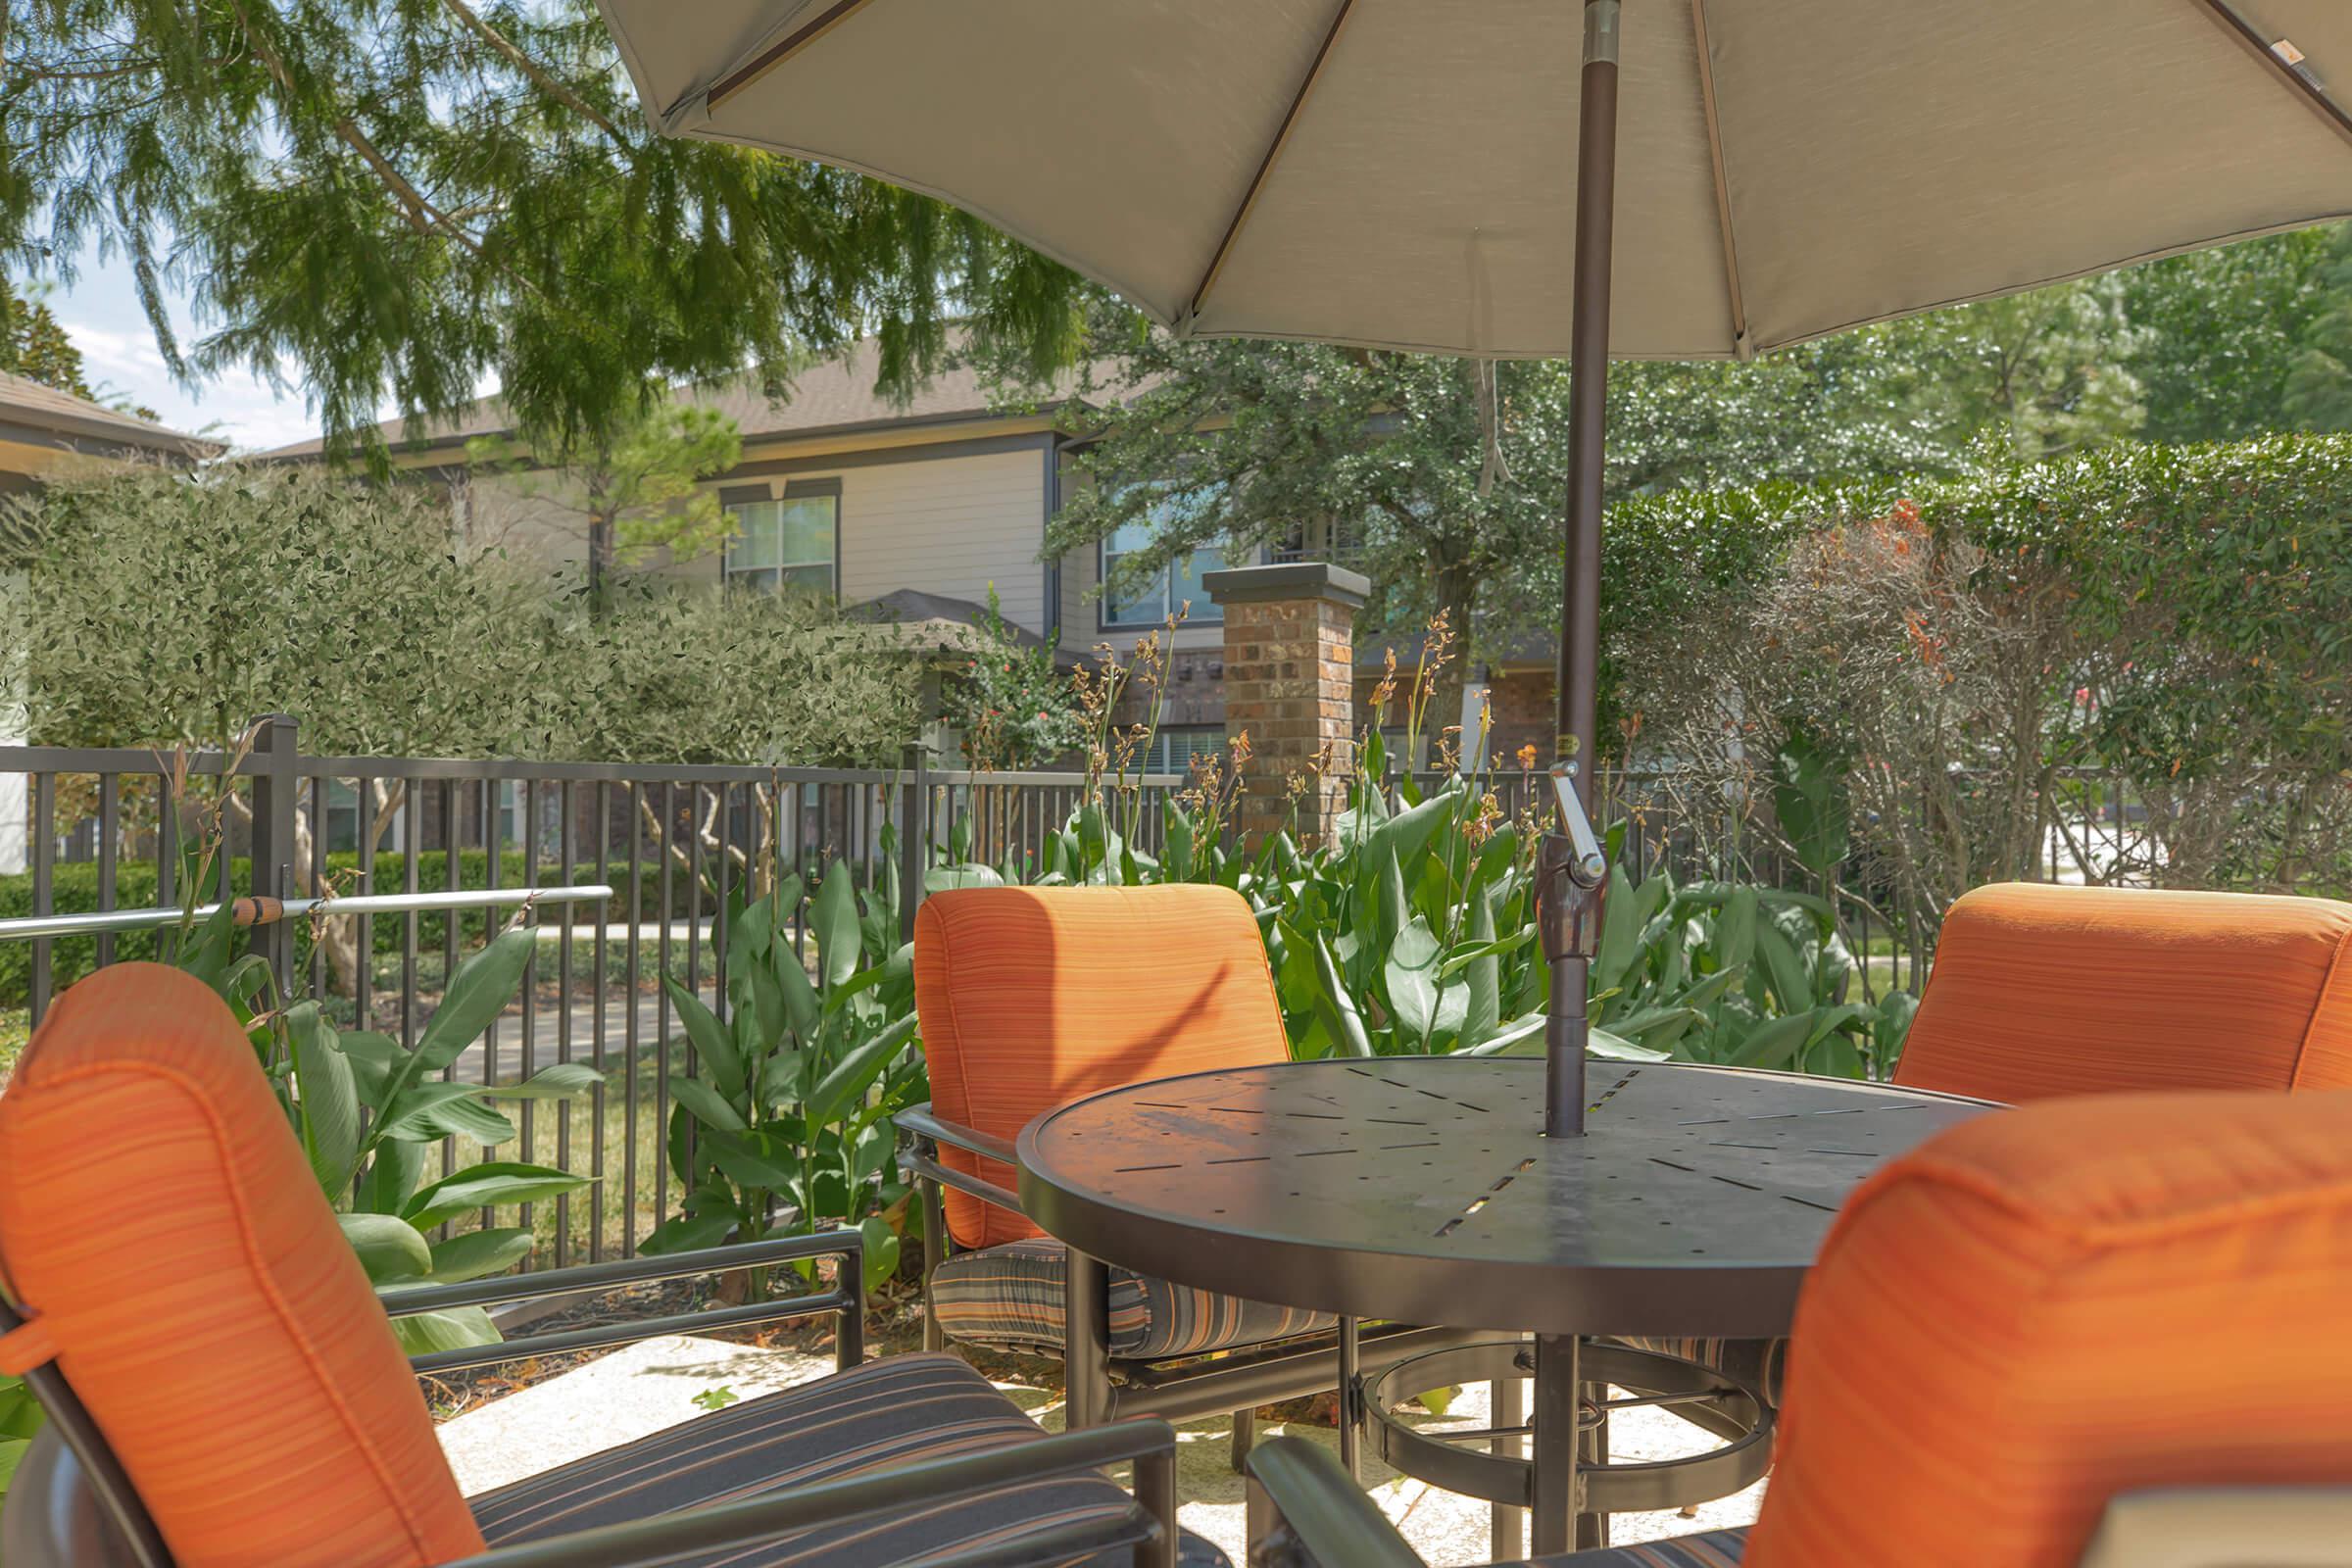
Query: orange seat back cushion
(2045, 1307)
(160, 1225)
(2041, 991)
(1034, 996)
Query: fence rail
(98, 836)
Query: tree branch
(423, 215)
(524, 63)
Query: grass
(564, 1135)
(16, 1029)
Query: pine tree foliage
(34, 346)
(394, 200)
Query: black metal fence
(103, 830)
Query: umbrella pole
(1569, 875)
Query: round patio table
(1421, 1190)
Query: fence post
(914, 836)
(276, 787)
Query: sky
(101, 313)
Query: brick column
(1289, 678)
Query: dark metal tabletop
(1420, 1189)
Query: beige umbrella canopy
(1473, 175)
(1401, 173)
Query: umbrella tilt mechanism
(1571, 881)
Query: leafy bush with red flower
(1012, 707)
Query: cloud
(239, 408)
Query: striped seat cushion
(1759, 1363)
(1718, 1548)
(882, 1415)
(1011, 1297)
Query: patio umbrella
(1399, 174)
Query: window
(1338, 540)
(792, 542)
(1176, 746)
(345, 819)
(1162, 594)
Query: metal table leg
(1086, 1341)
(1592, 1451)
(1352, 1412)
(1507, 1406)
(1556, 1419)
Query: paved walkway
(645, 1388)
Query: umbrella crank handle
(1572, 876)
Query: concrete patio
(645, 1388)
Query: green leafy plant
(787, 1128)
(367, 1109)
(19, 1419)
(1410, 930)
(1736, 975)
(1009, 703)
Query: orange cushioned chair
(1032, 998)
(226, 1390)
(2013, 1345)
(2040, 990)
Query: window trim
(1205, 613)
(732, 496)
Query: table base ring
(1723, 1405)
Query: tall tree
(2319, 377)
(2219, 333)
(2037, 374)
(1441, 478)
(395, 200)
(34, 346)
(640, 487)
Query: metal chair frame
(74, 1507)
(1305, 1514)
(1101, 1389)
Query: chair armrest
(1306, 1513)
(1151, 1444)
(845, 1297)
(923, 1122)
(930, 1132)
(2226, 1527)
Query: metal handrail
(267, 911)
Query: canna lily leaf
(1772, 1044)
(566, 1080)
(833, 917)
(1339, 1017)
(389, 1248)
(457, 1329)
(722, 1062)
(476, 1253)
(1521, 1037)
(707, 1105)
(1791, 985)
(688, 1233)
(751, 1159)
(856, 1072)
(1734, 941)
(1411, 974)
(491, 1184)
(330, 1103)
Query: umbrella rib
(2304, 87)
(1723, 188)
(768, 59)
(1265, 164)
